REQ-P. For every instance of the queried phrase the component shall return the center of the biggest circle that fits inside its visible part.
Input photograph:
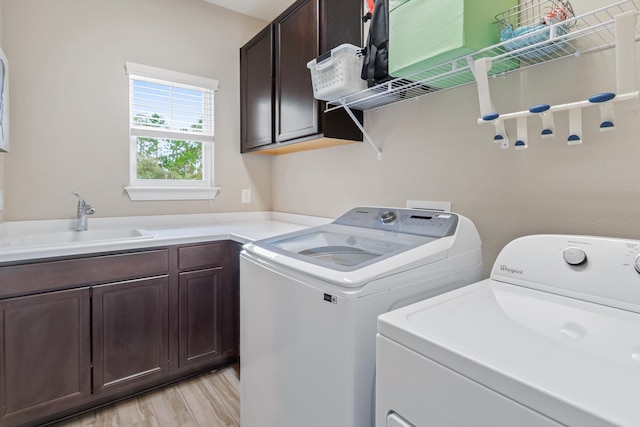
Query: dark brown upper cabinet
(278, 109)
(256, 90)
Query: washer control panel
(409, 221)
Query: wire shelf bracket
(362, 129)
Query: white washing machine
(551, 338)
(309, 301)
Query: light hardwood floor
(211, 400)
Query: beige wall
(69, 101)
(433, 149)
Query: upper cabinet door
(275, 117)
(296, 43)
(256, 91)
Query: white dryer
(309, 302)
(551, 338)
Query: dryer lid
(570, 359)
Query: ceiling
(262, 9)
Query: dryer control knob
(636, 263)
(388, 216)
(574, 256)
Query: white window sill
(171, 193)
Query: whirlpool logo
(510, 270)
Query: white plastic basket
(337, 73)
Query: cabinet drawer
(44, 276)
(200, 256)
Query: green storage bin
(426, 33)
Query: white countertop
(30, 240)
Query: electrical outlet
(246, 195)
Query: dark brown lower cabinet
(82, 332)
(231, 300)
(45, 354)
(130, 333)
(208, 308)
(199, 317)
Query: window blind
(170, 108)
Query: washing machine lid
(575, 361)
(342, 248)
(363, 244)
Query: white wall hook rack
(575, 127)
(521, 142)
(625, 35)
(548, 127)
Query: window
(171, 134)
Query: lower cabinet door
(130, 333)
(45, 355)
(199, 317)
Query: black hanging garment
(375, 69)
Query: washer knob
(636, 263)
(388, 216)
(574, 256)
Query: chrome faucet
(83, 210)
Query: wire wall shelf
(587, 33)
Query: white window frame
(166, 189)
